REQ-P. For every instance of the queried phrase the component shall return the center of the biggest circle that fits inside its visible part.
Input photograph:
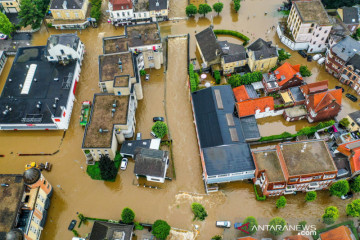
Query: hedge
(263, 198)
(233, 33)
(349, 223)
(192, 78)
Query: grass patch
(258, 197)
(94, 171)
(349, 224)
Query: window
(44, 182)
(310, 30)
(150, 58)
(77, 15)
(314, 42)
(320, 28)
(58, 14)
(325, 31)
(67, 15)
(294, 180)
(123, 14)
(329, 176)
(312, 25)
(322, 39)
(122, 7)
(317, 177)
(306, 179)
(319, 45)
(62, 52)
(118, 14)
(311, 49)
(317, 35)
(33, 229)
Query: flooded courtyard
(166, 94)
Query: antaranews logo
(307, 230)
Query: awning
(286, 97)
(257, 85)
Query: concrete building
(70, 14)
(351, 73)
(262, 56)
(342, 232)
(279, 171)
(65, 47)
(350, 17)
(11, 6)
(121, 12)
(39, 94)
(25, 203)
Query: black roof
(297, 94)
(156, 5)
(105, 230)
(150, 162)
(226, 159)
(355, 116)
(355, 61)
(350, 15)
(43, 88)
(232, 52)
(208, 44)
(69, 4)
(250, 127)
(70, 40)
(263, 49)
(129, 147)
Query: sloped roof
(241, 93)
(156, 5)
(286, 72)
(342, 232)
(249, 107)
(315, 87)
(346, 148)
(296, 237)
(355, 116)
(355, 61)
(355, 160)
(67, 4)
(207, 42)
(232, 52)
(346, 48)
(121, 4)
(320, 100)
(263, 49)
(105, 230)
(150, 162)
(350, 15)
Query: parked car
(347, 196)
(3, 36)
(237, 225)
(138, 136)
(317, 57)
(338, 87)
(223, 224)
(124, 163)
(321, 60)
(147, 77)
(157, 119)
(72, 225)
(302, 53)
(309, 58)
(351, 97)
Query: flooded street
(166, 94)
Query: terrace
(269, 161)
(143, 34)
(110, 67)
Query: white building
(121, 11)
(65, 47)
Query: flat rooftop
(143, 34)
(313, 158)
(115, 44)
(109, 66)
(10, 198)
(312, 11)
(50, 81)
(269, 161)
(296, 111)
(101, 118)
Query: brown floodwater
(166, 92)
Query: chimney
(64, 4)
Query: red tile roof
(315, 87)
(286, 72)
(342, 232)
(241, 93)
(355, 160)
(121, 4)
(296, 237)
(249, 107)
(320, 100)
(246, 238)
(343, 148)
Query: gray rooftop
(251, 91)
(69, 40)
(250, 127)
(67, 4)
(232, 52)
(208, 44)
(355, 62)
(105, 230)
(312, 11)
(157, 5)
(355, 116)
(350, 15)
(346, 48)
(150, 162)
(263, 49)
(297, 94)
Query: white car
(3, 36)
(321, 60)
(124, 163)
(317, 57)
(223, 224)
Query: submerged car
(317, 57)
(302, 53)
(158, 119)
(3, 36)
(351, 97)
(347, 196)
(338, 87)
(223, 224)
(147, 77)
(124, 163)
(321, 61)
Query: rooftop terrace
(269, 161)
(109, 66)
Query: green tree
(29, 14)
(160, 129)
(277, 226)
(252, 223)
(6, 27)
(218, 7)
(204, 9)
(344, 122)
(281, 202)
(236, 5)
(217, 76)
(353, 208)
(108, 170)
(95, 11)
(355, 184)
(305, 72)
(161, 229)
(310, 196)
(356, 34)
(302, 225)
(127, 216)
(191, 10)
(283, 55)
(339, 188)
(332, 4)
(199, 211)
(330, 215)
(217, 237)
(142, 72)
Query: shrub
(310, 196)
(355, 184)
(302, 225)
(277, 106)
(217, 237)
(138, 226)
(277, 226)
(217, 76)
(191, 10)
(161, 229)
(218, 7)
(236, 5)
(252, 222)
(281, 202)
(142, 72)
(246, 79)
(344, 122)
(95, 11)
(76, 234)
(233, 33)
(108, 170)
(263, 198)
(127, 216)
(353, 208)
(194, 83)
(339, 188)
(199, 211)
(49, 25)
(305, 72)
(283, 55)
(330, 215)
(160, 129)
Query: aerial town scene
(179, 119)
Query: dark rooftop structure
(70, 40)
(109, 67)
(346, 48)
(10, 198)
(355, 116)
(263, 49)
(268, 160)
(297, 94)
(250, 127)
(151, 162)
(128, 147)
(350, 15)
(99, 130)
(208, 44)
(111, 231)
(251, 91)
(32, 86)
(312, 11)
(67, 4)
(232, 52)
(355, 62)
(157, 5)
(307, 157)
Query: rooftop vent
(114, 104)
(38, 105)
(29, 78)
(157, 3)
(113, 112)
(103, 130)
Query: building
(351, 73)
(70, 14)
(262, 56)
(225, 155)
(106, 230)
(339, 55)
(234, 57)
(342, 232)
(151, 164)
(309, 25)
(294, 166)
(121, 12)
(39, 94)
(208, 47)
(245, 92)
(351, 149)
(315, 87)
(11, 6)
(25, 203)
(3, 59)
(350, 17)
(65, 47)
(354, 119)
(159, 10)
(112, 119)
(259, 107)
(128, 147)
(282, 78)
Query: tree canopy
(277, 226)
(160, 129)
(330, 215)
(161, 229)
(310, 196)
(353, 208)
(283, 55)
(127, 216)
(355, 184)
(305, 72)
(252, 223)
(6, 27)
(191, 10)
(281, 202)
(218, 7)
(246, 79)
(199, 211)
(30, 13)
(107, 167)
(236, 5)
(204, 9)
(344, 122)
(339, 188)
(334, 4)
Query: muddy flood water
(165, 93)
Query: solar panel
(230, 119)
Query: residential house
(245, 92)
(106, 230)
(315, 87)
(342, 232)
(259, 107)
(208, 47)
(351, 73)
(151, 164)
(233, 58)
(351, 149)
(279, 171)
(65, 47)
(339, 55)
(262, 56)
(39, 94)
(121, 12)
(159, 10)
(338, 31)
(24, 205)
(70, 14)
(225, 155)
(128, 147)
(112, 119)
(282, 78)
(354, 119)
(10, 6)
(3, 59)
(350, 17)
(309, 25)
